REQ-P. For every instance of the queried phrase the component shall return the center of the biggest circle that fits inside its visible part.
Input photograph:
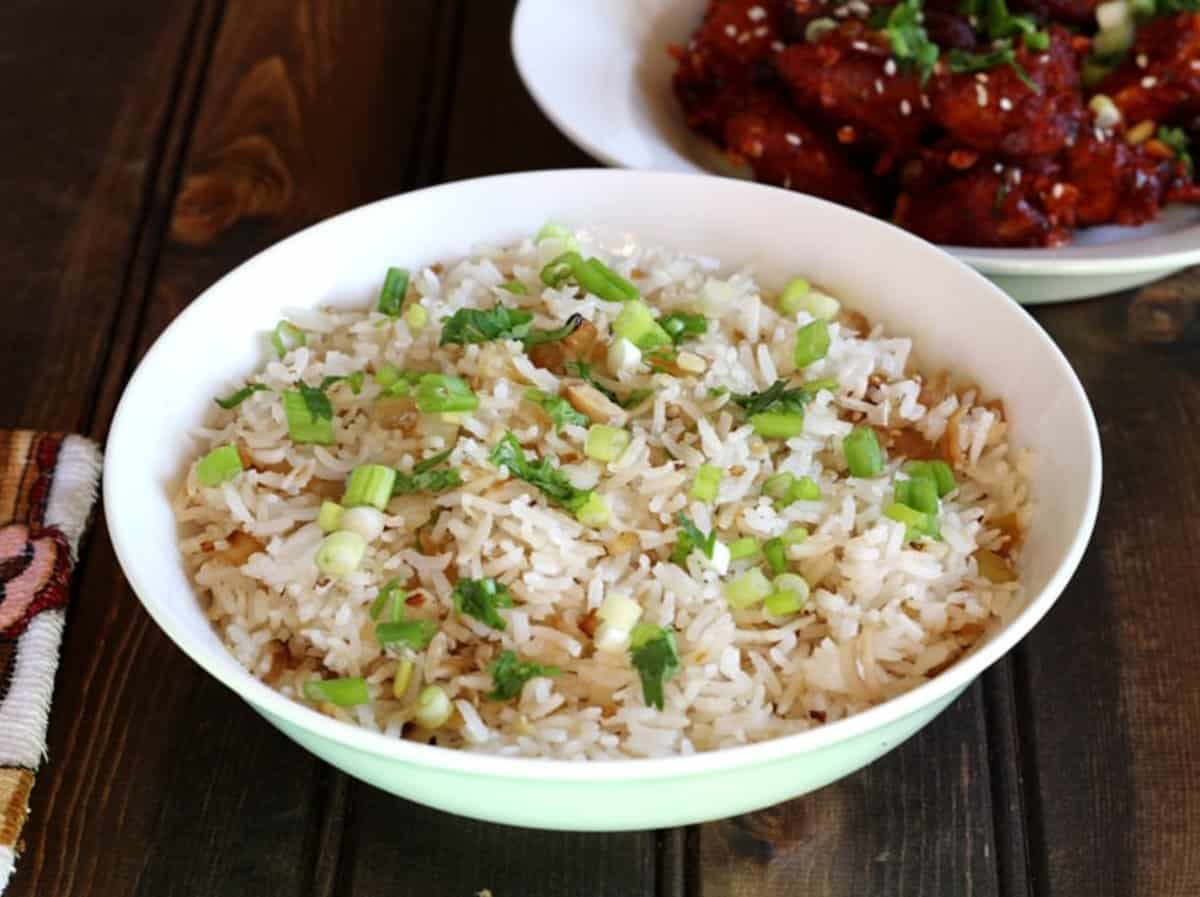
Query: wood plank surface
(1110, 694)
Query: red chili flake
(415, 600)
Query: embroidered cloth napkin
(47, 490)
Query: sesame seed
(981, 94)
(1098, 134)
(1006, 104)
(973, 21)
(859, 8)
(879, 85)
(925, 104)
(762, 31)
(1016, 176)
(889, 67)
(1142, 60)
(1149, 81)
(905, 108)
(1195, 64)
(777, 46)
(981, 77)
(861, 45)
(793, 139)
(1057, 192)
(998, 168)
(756, 14)
(730, 31)
(841, 12)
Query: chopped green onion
(746, 547)
(922, 495)
(221, 464)
(482, 325)
(799, 296)
(605, 443)
(509, 675)
(682, 325)
(415, 634)
(369, 484)
(391, 297)
(340, 553)
(653, 654)
(1111, 43)
(400, 682)
(790, 300)
(778, 486)
(944, 477)
(330, 517)
(444, 393)
(776, 554)
(516, 287)
(864, 456)
(619, 610)
(416, 317)
(635, 322)
(391, 599)
(804, 489)
(235, 399)
(433, 708)
(788, 596)
(707, 482)
(812, 343)
(552, 231)
(480, 598)
(306, 421)
(388, 375)
(559, 270)
(341, 692)
(776, 425)
(603, 282)
(286, 337)
(794, 536)
(916, 523)
(1038, 40)
(593, 512)
(748, 589)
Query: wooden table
(151, 147)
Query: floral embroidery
(34, 565)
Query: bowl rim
(1177, 249)
(279, 708)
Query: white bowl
(959, 318)
(599, 70)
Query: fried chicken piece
(996, 112)
(851, 79)
(1167, 86)
(1119, 183)
(959, 198)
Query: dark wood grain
(917, 822)
(1109, 691)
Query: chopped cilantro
(778, 399)
(961, 62)
(425, 477)
(654, 655)
(354, 381)
(910, 43)
(690, 538)
(316, 401)
(509, 675)
(481, 325)
(479, 598)
(559, 409)
(552, 482)
(415, 634)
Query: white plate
(599, 70)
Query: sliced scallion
(778, 486)
(340, 553)
(748, 589)
(516, 287)
(400, 682)
(593, 512)
(788, 595)
(444, 393)
(433, 708)
(221, 464)
(340, 692)
(746, 547)
(812, 343)
(415, 634)
(864, 455)
(389, 603)
(794, 536)
(234, 399)
(330, 516)
(287, 336)
(603, 282)
(307, 421)
(635, 322)
(605, 443)
(776, 554)
(777, 425)
(391, 296)
(416, 317)
(707, 482)
(369, 484)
